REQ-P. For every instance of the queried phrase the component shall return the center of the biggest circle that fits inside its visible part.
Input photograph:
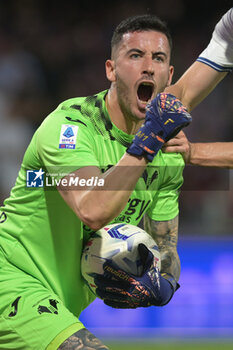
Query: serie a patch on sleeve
(68, 136)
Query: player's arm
(210, 68)
(98, 206)
(196, 84)
(215, 154)
(95, 206)
(165, 233)
(83, 339)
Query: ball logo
(114, 233)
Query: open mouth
(145, 92)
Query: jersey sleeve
(66, 143)
(219, 52)
(165, 204)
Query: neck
(121, 119)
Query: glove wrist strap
(171, 280)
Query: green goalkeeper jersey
(39, 233)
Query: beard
(124, 100)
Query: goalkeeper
(42, 292)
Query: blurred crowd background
(51, 51)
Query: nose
(148, 67)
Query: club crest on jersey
(68, 136)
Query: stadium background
(51, 51)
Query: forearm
(170, 262)
(165, 234)
(119, 182)
(96, 207)
(216, 154)
(196, 84)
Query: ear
(110, 70)
(170, 75)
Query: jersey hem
(65, 334)
(164, 217)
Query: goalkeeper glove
(165, 117)
(120, 289)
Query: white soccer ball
(118, 243)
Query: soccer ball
(118, 243)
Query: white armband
(219, 52)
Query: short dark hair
(140, 23)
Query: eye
(159, 58)
(135, 55)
